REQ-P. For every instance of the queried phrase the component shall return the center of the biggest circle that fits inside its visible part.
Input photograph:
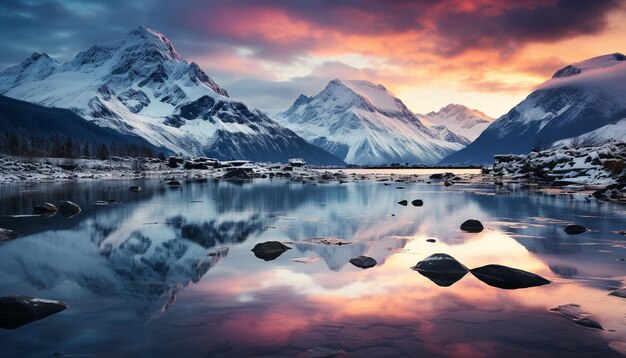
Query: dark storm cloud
(489, 27)
(63, 27)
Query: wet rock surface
(619, 293)
(363, 262)
(442, 269)
(45, 209)
(68, 208)
(574, 229)
(507, 277)
(417, 202)
(574, 312)
(472, 225)
(403, 202)
(270, 250)
(7, 235)
(135, 188)
(16, 311)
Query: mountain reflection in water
(169, 271)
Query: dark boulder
(574, 229)
(472, 225)
(173, 183)
(431, 240)
(269, 250)
(16, 311)
(575, 313)
(619, 293)
(448, 183)
(417, 202)
(442, 269)
(196, 165)
(135, 188)
(45, 209)
(68, 208)
(403, 202)
(238, 173)
(363, 262)
(507, 278)
(7, 235)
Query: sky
(485, 54)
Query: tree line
(63, 146)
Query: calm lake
(170, 272)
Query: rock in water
(574, 229)
(7, 235)
(45, 209)
(403, 202)
(574, 313)
(417, 202)
(69, 208)
(442, 269)
(173, 183)
(507, 278)
(135, 188)
(16, 311)
(619, 293)
(238, 173)
(269, 250)
(363, 262)
(323, 352)
(472, 225)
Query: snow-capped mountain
(363, 123)
(140, 85)
(457, 123)
(578, 99)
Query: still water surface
(169, 271)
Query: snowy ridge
(140, 85)
(578, 99)
(363, 123)
(613, 132)
(459, 120)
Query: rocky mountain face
(363, 123)
(140, 85)
(578, 99)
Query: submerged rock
(619, 293)
(69, 208)
(472, 225)
(269, 250)
(7, 235)
(417, 202)
(16, 311)
(403, 202)
(173, 183)
(45, 209)
(135, 188)
(507, 278)
(327, 241)
(575, 313)
(574, 229)
(323, 352)
(442, 269)
(363, 262)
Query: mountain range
(140, 86)
(578, 99)
(140, 91)
(363, 123)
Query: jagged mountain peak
(363, 123)
(140, 85)
(460, 114)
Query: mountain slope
(365, 124)
(458, 120)
(27, 119)
(141, 86)
(579, 98)
(613, 132)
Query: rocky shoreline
(597, 172)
